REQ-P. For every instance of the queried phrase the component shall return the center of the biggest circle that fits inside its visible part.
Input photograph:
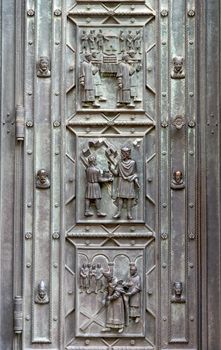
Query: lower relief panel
(110, 294)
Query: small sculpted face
(43, 64)
(178, 288)
(133, 270)
(178, 176)
(178, 64)
(42, 176)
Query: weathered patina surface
(110, 183)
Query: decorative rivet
(57, 42)
(149, 69)
(164, 318)
(164, 235)
(88, 130)
(56, 235)
(29, 204)
(191, 235)
(191, 42)
(70, 292)
(27, 318)
(132, 7)
(164, 153)
(191, 13)
(29, 123)
(87, 228)
(57, 153)
(191, 205)
(191, 265)
(164, 124)
(87, 242)
(191, 318)
(55, 265)
(132, 242)
(164, 13)
(57, 93)
(191, 123)
(28, 265)
(191, 153)
(164, 42)
(164, 205)
(31, 12)
(56, 205)
(132, 20)
(191, 94)
(29, 93)
(212, 131)
(87, 342)
(71, 68)
(149, 179)
(88, 20)
(132, 229)
(57, 12)
(150, 292)
(132, 131)
(30, 42)
(164, 265)
(71, 179)
(132, 342)
(88, 7)
(28, 235)
(212, 115)
(29, 151)
(56, 123)
(164, 94)
(55, 318)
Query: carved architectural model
(116, 54)
(128, 184)
(41, 296)
(93, 189)
(177, 181)
(43, 67)
(178, 68)
(42, 180)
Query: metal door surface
(107, 175)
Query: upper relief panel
(110, 57)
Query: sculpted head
(42, 290)
(178, 176)
(133, 269)
(44, 63)
(42, 176)
(178, 64)
(125, 153)
(178, 289)
(92, 160)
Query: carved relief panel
(109, 204)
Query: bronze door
(107, 169)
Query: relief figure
(99, 278)
(87, 71)
(83, 277)
(122, 41)
(101, 38)
(92, 40)
(114, 303)
(137, 41)
(84, 41)
(134, 79)
(124, 72)
(134, 288)
(129, 40)
(128, 184)
(93, 188)
(98, 88)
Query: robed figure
(124, 71)
(87, 71)
(114, 302)
(128, 184)
(134, 288)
